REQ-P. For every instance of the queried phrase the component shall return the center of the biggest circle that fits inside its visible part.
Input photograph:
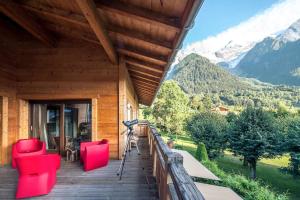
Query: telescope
(129, 124)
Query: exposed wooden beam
(145, 95)
(141, 14)
(145, 81)
(59, 14)
(137, 36)
(72, 18)
(25, 20)
(144, 86)
(137, 74)
(145, 91)
(143, 73)
(82, 21)
(142, 82)
(90, 12)
(187, 9)
(69, 32)
(144, 65)
(155, 59)
(135, 68)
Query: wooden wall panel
(127, 96)
(8, 108)
(122, 106)
(94, 119)
(108, 122)
(3, 130)
(72, 70)
(131, 96)
(23, 119)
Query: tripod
(127, 148)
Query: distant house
(220, 109)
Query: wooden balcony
(157, 173)
(103, 183)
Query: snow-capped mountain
(289, 35)
(231, 54)
(275, 60)
(227, 56)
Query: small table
(72, 154)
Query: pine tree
(254, 136)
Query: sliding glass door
(45, 124)
(61, 124)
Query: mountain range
(275, 59)
(196, 75)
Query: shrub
(248, 189)
(201, 152)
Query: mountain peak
(275, 60)
(291, 34)
(196, 74)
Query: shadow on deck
(103, 183)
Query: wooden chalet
(71, 68)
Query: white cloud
(271, 21)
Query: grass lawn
(267, 169)
(267, 173)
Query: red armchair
(37, 174)
(94, 154)
(27, 147)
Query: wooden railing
(172, 179)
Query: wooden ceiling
(146, 32)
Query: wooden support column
(90, 12)
(94, 119)
(3, 130)
(23, 119)
(62, 129)
(122, 106)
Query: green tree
(254, 136)
(170, 108)
(201, 152)
(196, 103)
(209, 128)
(145, 112)
(207, 102)
(292, 145)
(282, 110)
(231, 117)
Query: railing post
(154, 158)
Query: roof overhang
(147, 34)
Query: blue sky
(216, 16)
(238, 23)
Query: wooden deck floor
(74, 183)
